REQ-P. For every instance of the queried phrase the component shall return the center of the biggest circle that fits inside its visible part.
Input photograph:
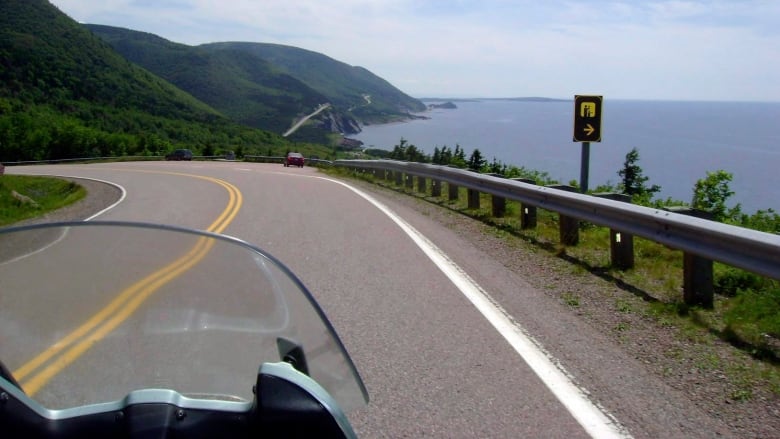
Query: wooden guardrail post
(436, 188)
(498, 203)
(422, 184)
(527, 216)
(473, 198)
(527, 211)
(569, 228)
(698, 288)
(453, 192)
(621, 245)
(499, 206)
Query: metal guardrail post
(569, 227)
(621, 245)
(698, 288)
(409, 178)
(399, 178)
(422, 185)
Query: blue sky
(622, 49)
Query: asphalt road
(434, 364)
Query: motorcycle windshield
(90, 312)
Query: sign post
(587, 128)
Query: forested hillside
(66, 93)
(366, 96)
(242, 86)
(266, 85)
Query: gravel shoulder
(99, 196)
(693, 369)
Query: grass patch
(571, 299)
(24, 197)
(754, 317)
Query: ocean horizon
(678, 141)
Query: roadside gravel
(99, 196)
(694, 363)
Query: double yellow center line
(33, 375)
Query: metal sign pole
(584, 167)
(587, 128)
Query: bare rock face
(339, 123)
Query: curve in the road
(590, 416)
(124, 305)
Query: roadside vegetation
(746, 311)
(24, 197)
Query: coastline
(678, 142)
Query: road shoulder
(622, 358)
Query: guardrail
(701, 240)
(86, 159)
(148, 158)
(264, 158)
(750, 250)
(280, 159)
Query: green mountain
(365, 95)
(46, 55)
(64, 92)
(243, 87)
(265, 85)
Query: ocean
(678, 142)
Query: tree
(633, 182)
(711, 194)
(413, 154)
(436, 156)
(459, 157)
(476, 161)
(496, 167)
(445, 158)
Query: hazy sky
(622, 49)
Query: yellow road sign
(587, 118)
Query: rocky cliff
(338, 123)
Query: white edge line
(116, 203)
(65, 231)
(593, 418)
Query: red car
(294, 159)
